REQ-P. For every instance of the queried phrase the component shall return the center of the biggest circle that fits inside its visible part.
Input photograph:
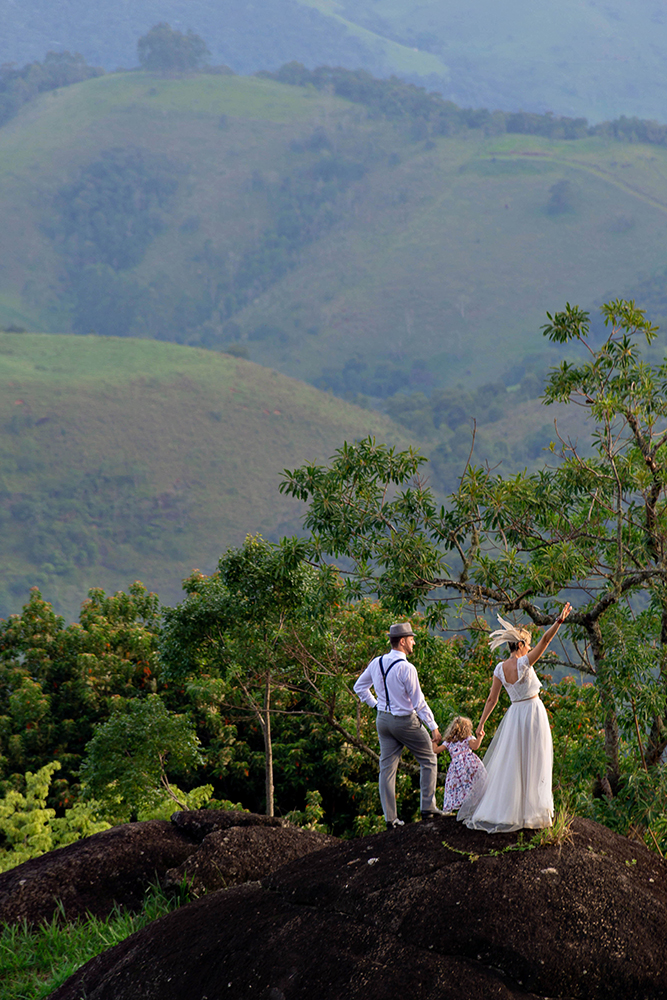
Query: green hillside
(126, 459)
(360, 252)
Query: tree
(130, 756)
(232, 625)
(57, 681)
(165, 50)
(593, 527)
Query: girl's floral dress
(466, 775)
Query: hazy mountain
(575, 57)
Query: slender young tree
(233, 625)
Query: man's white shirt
(405, 694)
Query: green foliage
(164, 805)
(58, 681)
(24, 819)
(29, 828)
(233, 626)
(127, 760)
(311, 817)
(166, 50)
(352, 513)
(69, 522)
(594, 527)
(59, 69)
(112, 211)
(396, 100)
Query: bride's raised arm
(535, 653)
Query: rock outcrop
(236, 855)
(209, 849)
(92, 875)
(433, 911)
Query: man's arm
(363, 686)
(413, 690)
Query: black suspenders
(384, 678)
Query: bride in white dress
(519, 760)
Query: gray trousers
(397, 732)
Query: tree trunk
(268, 746)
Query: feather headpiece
(508, 633)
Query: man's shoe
(430, 815)
(395, 824)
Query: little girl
(466, 774)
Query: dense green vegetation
(167, 50)
(243, 693)
(588, 527)
(127, 459)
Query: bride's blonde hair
(459, 729)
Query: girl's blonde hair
(459, 729)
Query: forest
(241, 694)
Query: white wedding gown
(519, 762)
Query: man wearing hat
(401, 706)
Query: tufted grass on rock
(35, 961)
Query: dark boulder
(404, 913)
(198, 823)
(93, 875)
(116, 867)
(233, 855)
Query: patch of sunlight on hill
(400, 58)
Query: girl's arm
(491, 703)
(535, 653)
(476, 743)
(438, 748)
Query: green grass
(35, 961)
(462, 272)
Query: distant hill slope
(125, 459)
(324, 237)
(576, 57)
